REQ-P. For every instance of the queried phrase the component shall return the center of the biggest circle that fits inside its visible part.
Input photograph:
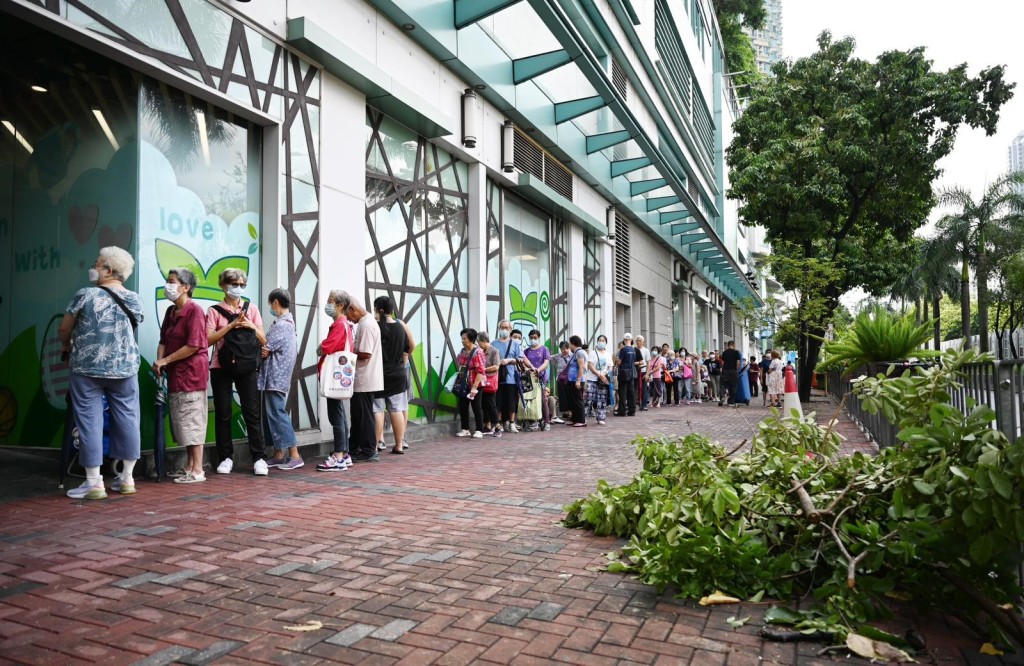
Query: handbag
(461, 385)
(338, 374)
(503, 369)
(687, 371)
(525, 381)
(490, 384)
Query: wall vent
(619, 78)
(531, 158)
(622, 282)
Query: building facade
(555, 162)
(1015, 154)
(767, 42)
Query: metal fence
(998, 384)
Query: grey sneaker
(292, 463)
(89, 491)
(276, 462)
(119, 486)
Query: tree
(938, 277)
(835, 157)
(972, 232)
(733, 16)
(1010, 301)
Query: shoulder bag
(338, 373)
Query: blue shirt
(276, 370)
(103, 342)
(504, 352)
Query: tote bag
(338, 374)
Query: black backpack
(240, 353)
(627, 369)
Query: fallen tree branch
(729, 454)
(806, 505)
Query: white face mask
(235, 292)
(94, 275)
(172, 290)
(535, 342)
(504, 333)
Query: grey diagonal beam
(468, 12)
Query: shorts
(398, 402)
(190, 412)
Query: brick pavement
(452, 554)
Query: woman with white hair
(98, 333)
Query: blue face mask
(276, 314)
(329, 309)
(504, 333)
(600, 346)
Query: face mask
(275, 313)
(94, 275)
(235, 292)
(329, 309)
(172, 291)
(535, 342)
(503, 333)
(601, 346)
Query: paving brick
(393, 630)
(167, 656)
(207, 655)
(282, 569)
(510, 616)
(351, 635)
(171, 579)
(546, 611)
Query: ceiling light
(18, 135)
(39, 89)
(508, 147)
(409, 26)
(101, 119)
(470, 119)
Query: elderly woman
(339, 338)
(275, 379)
(182, 357)
(234, 329)
(98, 332)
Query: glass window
(199, 201)
(416, 252)
(527, 265)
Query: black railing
(998, 384)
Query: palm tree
(967, 233)
(938, 277)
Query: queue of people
(505, 384)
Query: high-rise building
(767, 41)
(1016, 154)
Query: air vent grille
(622, 282)
(531, 158)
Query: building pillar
(606, 255)
(576, 253)
(689, 321)
(477, 221)
(342, 204)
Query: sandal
(397, 451)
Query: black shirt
(714, 366)
(394, 343)
(730, 360)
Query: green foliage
(877, 336)
(733, 16)
(835, 157)
(937, 520)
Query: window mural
(560, 265)
(416, 252)
(495, 258)
(72, 167)
(527, 262)
(199, 204)
(68, 171)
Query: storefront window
(527, 266)
(416, 249)
(68, 172)
(199, 202)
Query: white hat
(627, 336)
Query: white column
(477, 220)
(574, 281)
(343, 232)
(689, 321)
(606, 255)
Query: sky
(981, 33)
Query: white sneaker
(89, 491)
(478, 435)
(191, 477)
(226, 466)
(259, 468)
(512, 428)
(557, 419)
(462, 433)
(381, 446)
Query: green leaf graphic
(515, 298)
(252, 231)
(170, 255)
(531, 303)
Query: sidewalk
(451, 554)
